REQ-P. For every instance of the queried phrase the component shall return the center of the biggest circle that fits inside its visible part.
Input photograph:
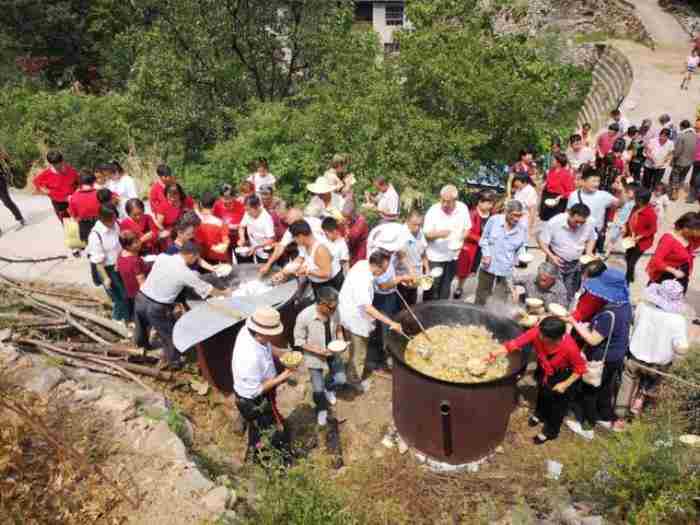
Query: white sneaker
(322, 418)
(330, 396)
(607, 425)
(365, 385)
(577, 429)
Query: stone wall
(612, 79)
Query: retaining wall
(612, 79)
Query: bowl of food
(425, 282)
(436, 273)
(292, 360)
(244, 251)
(628, 242)
(292, 267)
(526, 258)
(692, 440)
(585, 259)
(551, 203)
(528, 321)
(558, 310)
(338, 346)
(223, 270)
(534, 302)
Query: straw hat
(265, 321)
(668, 296)
(333, 179)
(320, 186)
(389, 238)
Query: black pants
(147, 314)
(694, 183)
(442, 285)
(85, 227)
(335, 283)
(552, 406)
(389, 305)
(7, 200)
(595, 403)
(636, 170)
(489, 284)
(259, 415)
(409, 294)
(632, 257)
(652, 177)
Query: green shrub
(642, 476)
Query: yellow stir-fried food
(456, 354)
(292, 359)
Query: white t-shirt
(318, 208)
(259, 230)
(388, 203)
(456, 222)
(660, 154)
(388, 230)
(660, 203)
(657, 334)
(339, 250)
(583, 156)
(315, 225)
(527, 196)
(414, 247)
(251, 364)
(598, 202)
(693, 61)
(357, 293)
(125, 188)
(309, 260)
(262, 180)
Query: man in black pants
(5, 174)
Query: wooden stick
(92, 335)
(667, 375)
(84, 314)
(410, 311)
(112, 349)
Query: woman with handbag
(606, 341)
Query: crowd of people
(580, 204)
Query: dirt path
(661, 25)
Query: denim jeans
(336, 378)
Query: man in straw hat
(659, 337)
(255, 378)
(325, 202)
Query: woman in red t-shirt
(673, 258)
(559, 185)
(131, 267)
(641, 227)
(470, 255)
(230, 210)
(142, 224)
(175, 205)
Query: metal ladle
(422, 350)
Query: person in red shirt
(156, 196)
(673, 258)
(641, 228)
(59, 181)
(356, 233)
(131, 267)
(559, 365)
(212, 233)
(84, 206)
(559, 185)
(605, 142)
(230, 210)
(175, 205)
(470, 255)
(142, 224)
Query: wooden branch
(113, 326)
(92, 335)
(667, 375)
(111, 349)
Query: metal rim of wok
(397, 344)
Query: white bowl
(585, 259)
(338, 346)
(558, 310)
(534, 302)
(455, 245)
(526, 258)
(436, 272)
(222, 270)
(291, 267)
(550, 203)
(243, 250)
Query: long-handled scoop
(410, 311)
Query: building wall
(386, 33)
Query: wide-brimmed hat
(388, 238)
(320, 186)
(611, 286)
(265, 321)
(667, 295)
(333, 179)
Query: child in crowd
(691, 67)
(336, 243)
(660, 201)
(131, 267)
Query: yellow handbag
(71, 232)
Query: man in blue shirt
(503, 237)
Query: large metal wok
(454, 423)
(211, 326)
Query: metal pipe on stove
(446, 428)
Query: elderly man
(545, 285)
(255, 378)
(315, 327)
(325, 201)
(155, 302)
(504, 236)
(564, 239)
(447, 224)
(357, 314)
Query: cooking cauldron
(454, 423)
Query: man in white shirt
(447, 224)
(617, 118)
(293, 215)
(258, 226)
(255, 379)
(103, 248)
(415, 261)
(336, 243)
(659, 154)
(386, 201)
(155, 302)
(564, 239)
(598, 201)
(357, 315)
(659, 337)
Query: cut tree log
(111, 349)
(113, 326)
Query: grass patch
(592, 37)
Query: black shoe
(458, 293)
(533, 421)
(22, 223)
(541, 439)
